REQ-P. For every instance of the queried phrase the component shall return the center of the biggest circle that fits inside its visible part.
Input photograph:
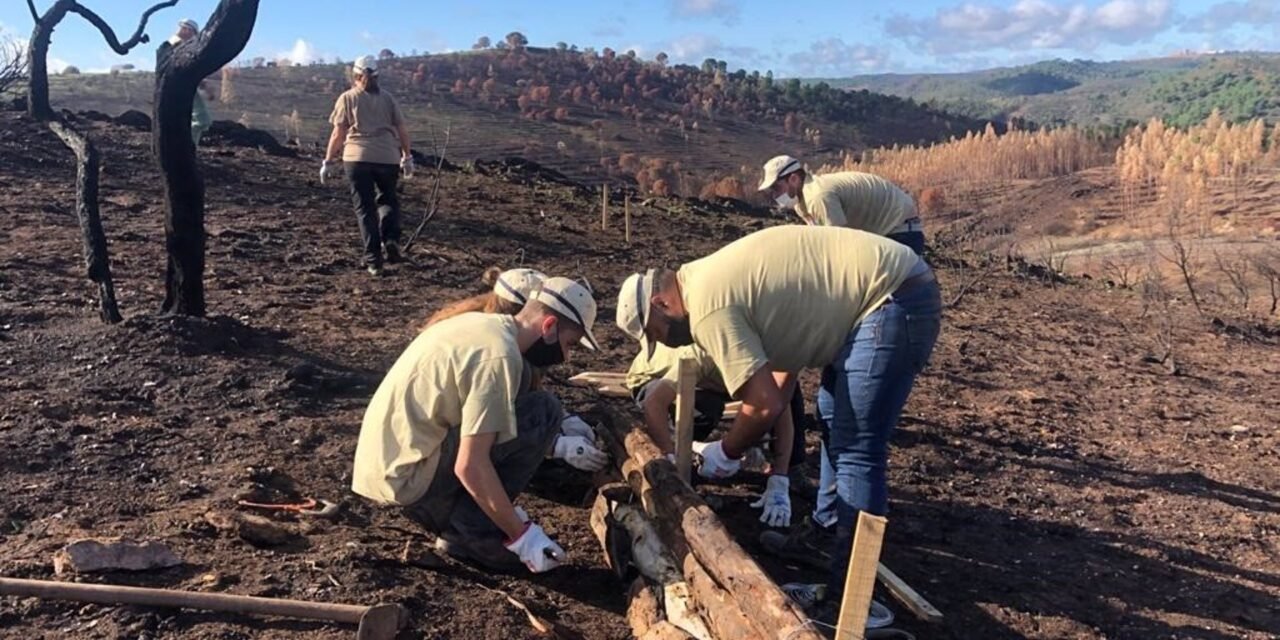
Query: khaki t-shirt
(788, 296)
(855, 200)
(462, 373)
(663, 365)
(373, 119)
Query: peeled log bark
(689, 526)
(643, 613)
(177, 78)
(93, 239)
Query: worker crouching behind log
(652, 383)
(863, 308)
(450, 436)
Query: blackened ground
(1047, 481)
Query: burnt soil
(1048, 480)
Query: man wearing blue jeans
(864, 308)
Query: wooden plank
(907, 596)
(614, 391)
(861, 578)
(591, 378)
(731, 410)
(686, 387)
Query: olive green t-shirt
(373, 120)
(788, 296)
(462, 373)
(855, 200)
(663, 365)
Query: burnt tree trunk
(96, 259)
(93, 239)
(178, 75)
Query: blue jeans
(862, 395)
(913, 239)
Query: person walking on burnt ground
(371, 139)
(200, 118)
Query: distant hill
(1182, 89)
(593, 116)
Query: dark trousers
(373, 196)
(448, 507)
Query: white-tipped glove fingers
(776, 502)
(715, 464)
(406, 166)
(537, 551)
(580, 453)
(575, 426)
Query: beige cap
(633, 307)
(518, 285)
(365, 64)
(572, 300)
(188, 23)
(778, 167)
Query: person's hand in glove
(580, 453)
(715, 464)
(406, 165)
(537, 551)
(776, 502)
(575, 426)
(328, 169)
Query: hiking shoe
(487, 553)
(374, 270)
(393, 252)
(806, 542)
(805, 594)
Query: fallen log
(642, 612)
(689, 527)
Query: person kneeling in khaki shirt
(450, 436)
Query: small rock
(86, 556)
(1239, 428)
(255, 530)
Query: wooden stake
(908, 596)
(861, 578)
(687, 375)
(626, 217)
(604, 206)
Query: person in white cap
(510, 291)
(449, 436)
(200, 118)
(863, 308)
(371, 139)
(850, 199)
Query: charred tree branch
(109, 34)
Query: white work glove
(575, 426)
(580, 453)
(328, 169)
(406, 166)
(776, 502)
(715, 464)
(537, 551)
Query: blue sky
(790, 37)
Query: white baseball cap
(634, 300)
(365, 64)
(517, 285)
(188, 23)
(778, 167)
(572, 300)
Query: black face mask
(679, 333)
(545, 354)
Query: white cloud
(727, 11)
(1033, 24)
(1224, 15)
(694, 46)
(303, 52)
(833, 57)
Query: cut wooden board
(686, 388)
(861, 578)
(907, 596)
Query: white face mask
(785, 201)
